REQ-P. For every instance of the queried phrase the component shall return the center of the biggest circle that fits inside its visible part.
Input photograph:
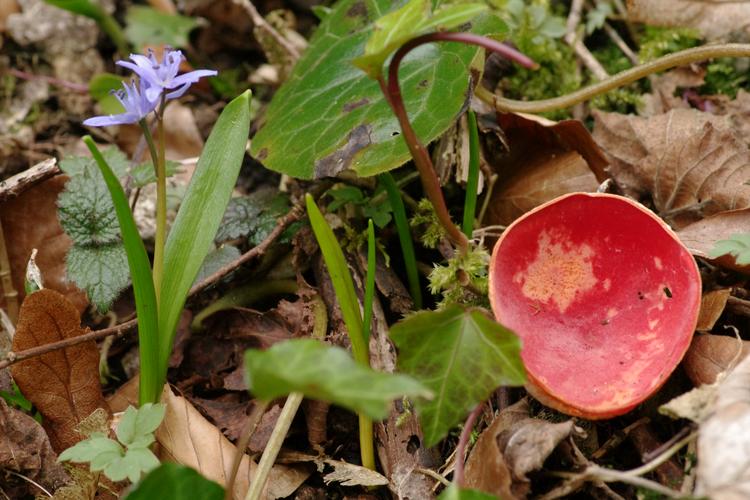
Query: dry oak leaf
(186, 437)
(30, 221)
(723, 442)
(25, 449)
(712, 306)
(544, 160)
(713, 19)
(691, 163)
(63, 384)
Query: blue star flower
(162, 76)
(133, 99)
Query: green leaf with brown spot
(330, 116)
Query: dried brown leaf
(510, 448)
(25, 449)
(724, 444)
(662, 97)
(711, 355)
(343, 472)
(62, 384)
(712, 305)
(30, 221)
(545, 160)
(700, 237)
(186, 437)
(690, 163)
(714, 19)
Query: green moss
(656, 42)
(725, 76)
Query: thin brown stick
(14, 357)
(261, 24)
(252, 423)
(22, 181)
(79, 88)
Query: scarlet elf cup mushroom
(604, 297)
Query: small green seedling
(128, 457)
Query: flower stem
(392, 91)
(161, 201)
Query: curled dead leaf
(63, 384)
(510, 448)
(690, 163)
(712, 305)
(545, 160)
(711, 355)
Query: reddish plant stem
(80, 88)
(422, 160)
(463, 441)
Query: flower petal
(106, 121)
(191, 77)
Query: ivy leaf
(461, 355)
(329, 116)
(98, 448)
(147, 26)
(176, 482)
(102, 271)
(138, 423)
(453, 492)
(738, 245)
(326, 373)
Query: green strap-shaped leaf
(191, 236)
(341, 278)
(461, 355)
(325, 373)
(143, 284)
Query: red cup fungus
(604, 297)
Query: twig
(14, 357)
(29, 480)
(79, 88)
(571, 38)
(617, 39)
(261, 24)
(434, 475)
(6, 281)
(22, 181)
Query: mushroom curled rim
(604, 297)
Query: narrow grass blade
(341, 278)
(404, 236)
(369, 281)
(143, 285)
(470, 202)
(193, 231)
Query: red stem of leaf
(392, 91)
(463, 440)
